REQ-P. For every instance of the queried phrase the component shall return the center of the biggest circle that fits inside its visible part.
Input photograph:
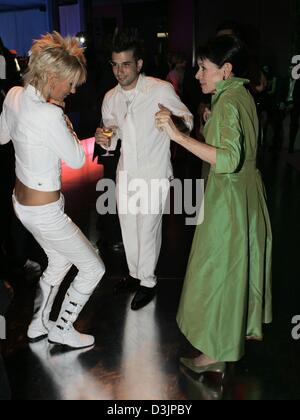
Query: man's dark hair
(227, 49)
(128, 41)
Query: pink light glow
(91, 172)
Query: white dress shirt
(41, 139)
(145, 149)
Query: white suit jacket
(41, 139)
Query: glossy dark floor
(136, 356)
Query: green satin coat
(227, 290)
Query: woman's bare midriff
(28, 197)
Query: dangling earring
(224, 77)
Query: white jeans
(64, 244)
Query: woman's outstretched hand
(163, 121)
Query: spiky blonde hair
(54, 55)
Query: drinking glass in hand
(108, 131)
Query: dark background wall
(181, 25)
(269, 26)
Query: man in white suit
(145, 156)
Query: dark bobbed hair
(226, 49)
(128, 41)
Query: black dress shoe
(126, 285)
(143, 296)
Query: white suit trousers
(64, 244)
(142, 232)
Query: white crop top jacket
(41, 139)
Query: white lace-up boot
(63, 332)
(41, 325)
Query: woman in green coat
(227, 290)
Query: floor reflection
(65, 368)
(141, 371)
